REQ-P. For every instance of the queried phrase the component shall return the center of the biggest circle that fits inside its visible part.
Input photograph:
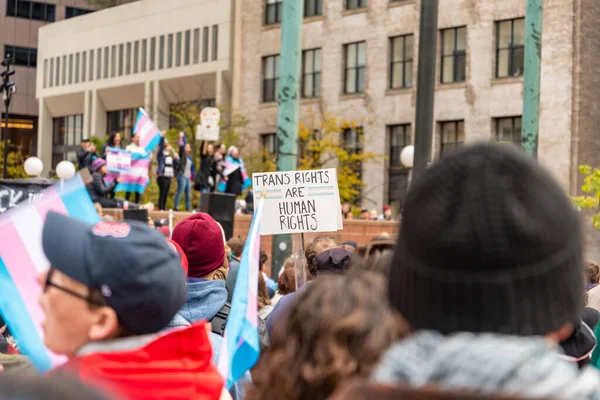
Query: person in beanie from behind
(118, 285)
(488, 271)
(201, 239)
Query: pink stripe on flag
(51, 201)
(138, 180)
(141, 122)
(141, 163)
(23, 273)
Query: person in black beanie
(488, 271)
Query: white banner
(298, 201)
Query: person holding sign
(204, 178)
(114, 141)
(135, 148)
(234, 178)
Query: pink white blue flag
(149, 133)
(22, 258)
(241, 344)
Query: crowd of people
(221, 169)
(486, 292)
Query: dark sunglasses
(49, 283)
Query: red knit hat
(202, 242)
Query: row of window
(452, 135)
(509, 61)
(40, 11)
(22, 56)
(182, 48)
(312, 8)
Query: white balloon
(65, 169)
(33, 166)
(407, 156)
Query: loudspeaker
(220, 206)
(136, 215)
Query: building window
(121, 58)
(31, 10)
(128, 59)
(51, 76)
(401, 68)
(71, 12)
(270, 69)
(22, 56)
(178, 50)
(454, 55)
(64, 71)
(45, 74)
(113, 61)
(136, 56)
(215, 42)
(509, 130)
(273, 12)
(70, 69)
(196, 45)
(354, 71)
(351, 141)
(84, 66)
(510, 47)
(57, 71)
(105, 62)
(161, 52)
(170, 51)
(205, 44)
(121, 121)
(67, 133)
(98, 64)
(77, 68)
(312, 8)
(152, 53)
(399, 139)
(354, 4)
(453, 135)
(187, 47)
(311, 73)
(269, 146)
(92, 65)
(144, 54)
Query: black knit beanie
(489, 242)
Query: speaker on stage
(220, 206)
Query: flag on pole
(22, 258)
(149, 133)
(241, 344)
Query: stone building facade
(479, 90)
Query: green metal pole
(289, 102)
(533, 62)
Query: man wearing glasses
(110, 289)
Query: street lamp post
(7, 88)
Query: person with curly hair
(592, 274)
(337, 330)
(313, 249)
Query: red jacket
(174, 366)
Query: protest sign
(117, 160)
(299, 201)
(209, 125)
(15, 191)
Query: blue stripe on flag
(130, 187)
(17, 318)
(141, 112)
(153, 143)
(77, 201)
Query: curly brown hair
(236, 244)
(316, 247)
(592, 272)
(337, 329)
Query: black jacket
(97, 188)
(85, 159)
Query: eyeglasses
(49, 283)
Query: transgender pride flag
(149, 133)
(22, 258)
(241, 345)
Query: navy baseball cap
(131, 265)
